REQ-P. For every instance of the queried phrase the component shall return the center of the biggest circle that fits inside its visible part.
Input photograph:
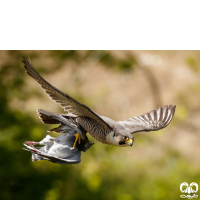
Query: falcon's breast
(94, 128)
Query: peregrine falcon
(85, 120)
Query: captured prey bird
(58, 150)
(62, 149)
(103, 129)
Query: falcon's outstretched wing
(64, 100)
(152, 121)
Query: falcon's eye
(125, 138)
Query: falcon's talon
(77, 139)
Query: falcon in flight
(81, 119)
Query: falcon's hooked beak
(129, 142)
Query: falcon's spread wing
(152, 121)
(64, 100)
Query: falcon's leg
(77, 139)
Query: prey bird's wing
(71, 160)
(152, 121)
(64, 100)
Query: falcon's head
(120, 136)
(123, 137)
(125, 140)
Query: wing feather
(51, 158)
(152, 121)
(68, 103)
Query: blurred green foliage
(105, 171)
(192, 64)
